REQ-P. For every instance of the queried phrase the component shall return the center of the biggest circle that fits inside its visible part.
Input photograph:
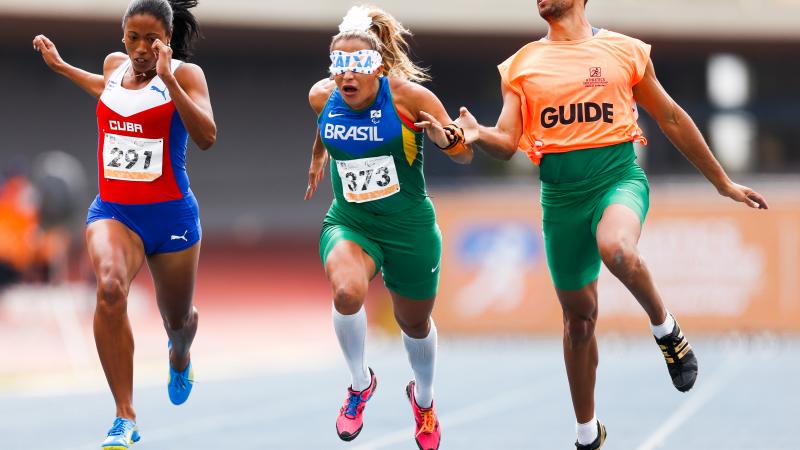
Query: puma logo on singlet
(160, 91)
(577, 113)
(177, 238)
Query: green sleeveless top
(376, 156)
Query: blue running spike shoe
(121, 435)
(179, 383)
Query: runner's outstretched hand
(434, 130)
(469, 124)
(49, 52)
(744, 194)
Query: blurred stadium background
(262, 294)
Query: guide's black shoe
(681, 362)
(597, 443)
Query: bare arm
(317, 98)
(92, 83)
(681, 130)
(316, 171)
(429, 114)
(189, 92)
(500, 141)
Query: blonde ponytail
(387, 36)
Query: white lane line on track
(702, 394)
(470, 413)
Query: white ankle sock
(587, 432)
(351, 330)
(422, 356)
(659, 331)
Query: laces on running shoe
(118, 428)
(680, 358)
(351, 409)
(428, 422)
(181, 381)
(674, 348)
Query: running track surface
(491, 393)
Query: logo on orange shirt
(595, 78)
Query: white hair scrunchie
(356, 19)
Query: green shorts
(406, 247)
(572, 208)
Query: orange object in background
(19, 223)
(719, 266)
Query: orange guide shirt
(577, 94)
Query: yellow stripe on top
(410, 145)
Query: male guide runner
(569, 102)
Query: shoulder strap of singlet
(120, 72)
(384, 91)
(328, 103)
(175, 63)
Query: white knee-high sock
(422, 356)
(351, 330)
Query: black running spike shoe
(681, 362)
(598, 442)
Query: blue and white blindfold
(361, 61)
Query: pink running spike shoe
(428, 433)
(351, 415)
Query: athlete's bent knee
(112, 293)
(415, 328)
(621, 258)
(349, 297)
(179, 323)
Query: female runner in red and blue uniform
(150, 103)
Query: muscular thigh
(632, 193)
(579, 303)
(347, 262)
(571, 248)
(114, 249)
(412, 260)
(174, 276)
(571, 227)
(412, 314)
(345, 241)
